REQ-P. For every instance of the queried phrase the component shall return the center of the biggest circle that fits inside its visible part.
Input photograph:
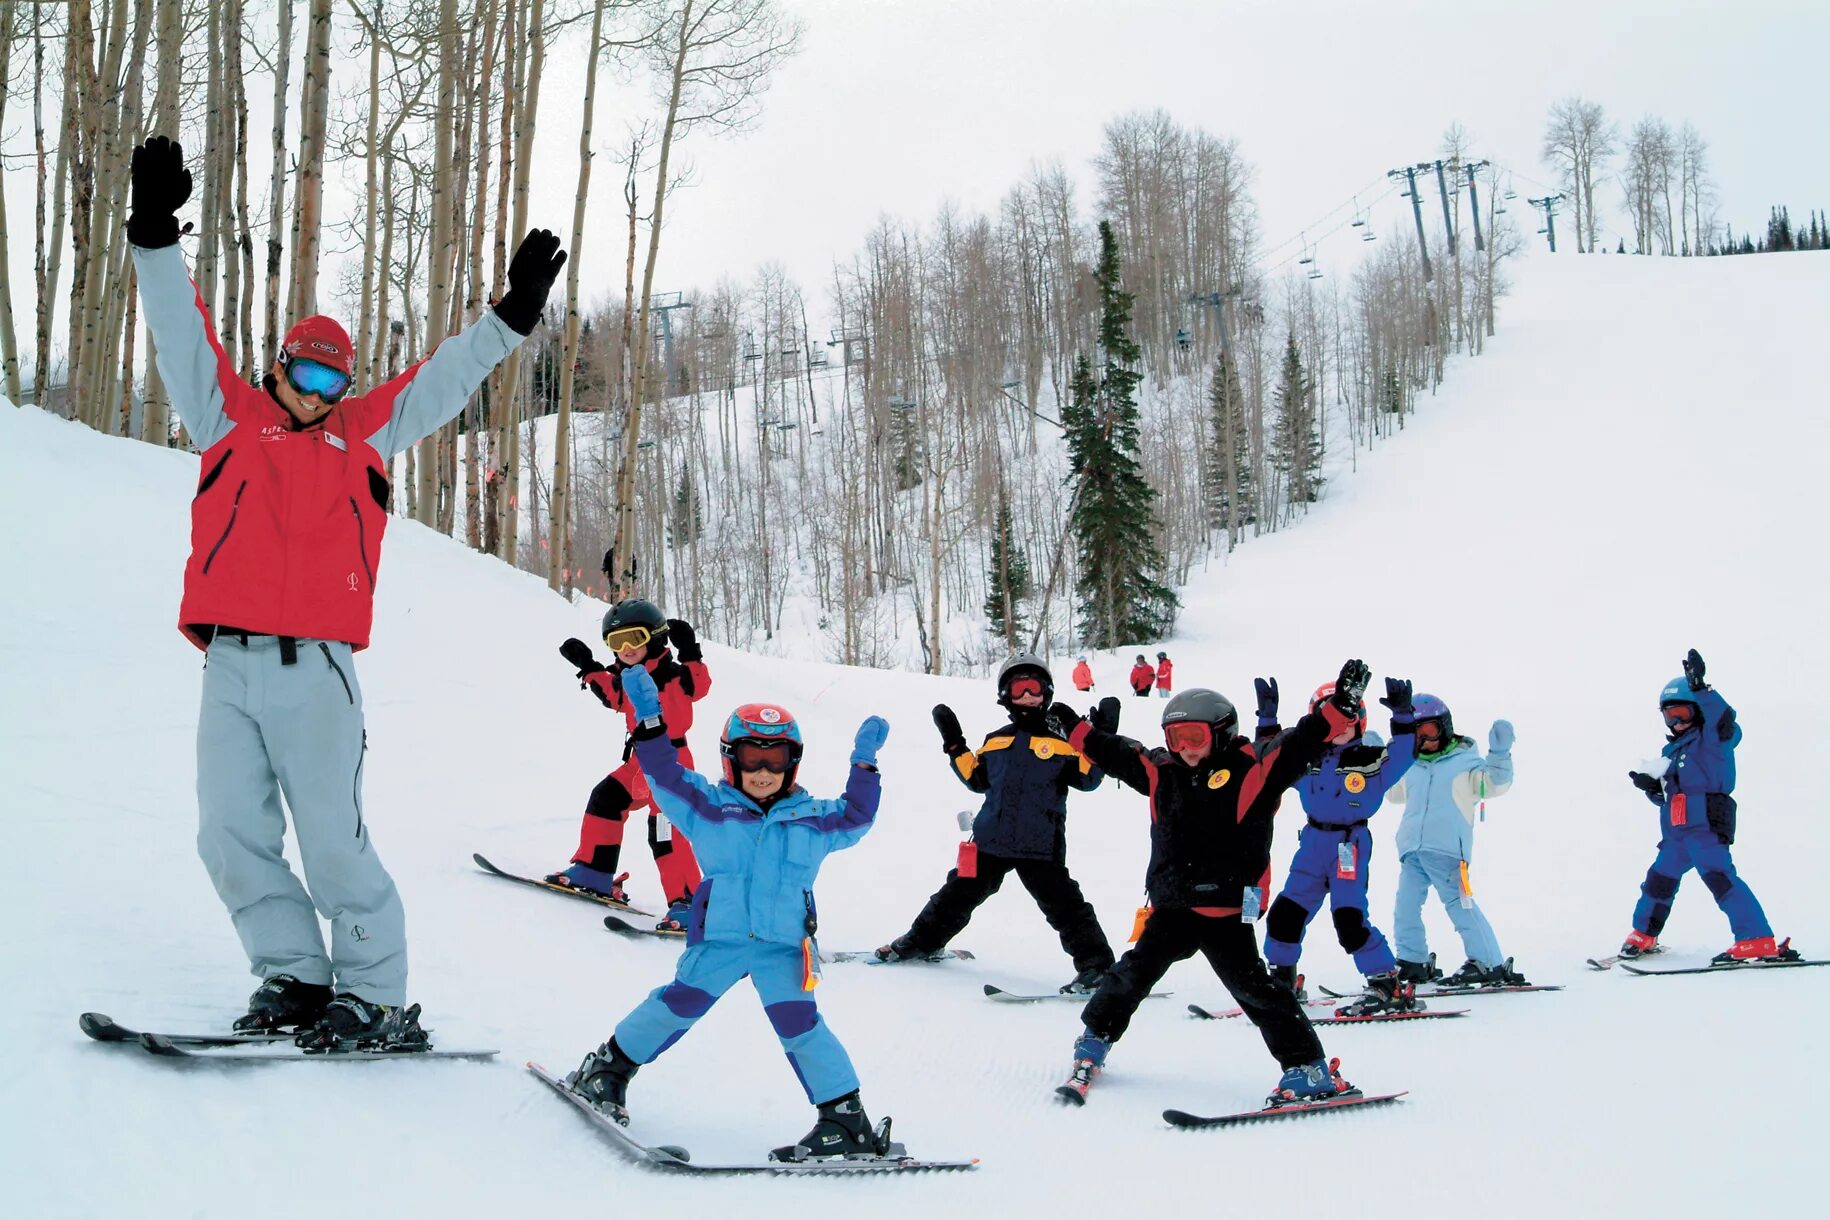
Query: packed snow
(1632, 470)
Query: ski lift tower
(663, 304)
(1218, 301)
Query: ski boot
(351, 1023)
(1288, 976)
(1310, 1083)
(1086, 982)
(1089, 1061)
(588, 880)
(842, 1131)
(603, 1080)
(1759, 949)
(283, 1001)
(1638, 944)
(674, 922)
(1503, 975)
(1424, 972)
(902, 949)
(1471, 974)
(1384, 993)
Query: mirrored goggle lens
(1189, 736)
(774, 756)
(1025, 687)
(628, 637)
(1679, 715)
(310, 377)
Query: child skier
(1446, 789)
(1141, 677)
(1212, 798)
(1699, 776)
(1083, 674)
(1334, 851)
(1024, 769)
(1164, 671)
(762, 838)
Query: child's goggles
(1679, 716)
(1429, 732)
(1189, 735)
(775, 757)
(1024, 687)
(311, 377)
(628, 637)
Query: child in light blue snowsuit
(1444, 793)
(760, 840)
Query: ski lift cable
(1349, 202)
(1296, 256)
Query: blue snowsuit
(752, 910)
(1443, 793)
(1696, 819)
(1334, 851)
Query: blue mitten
(638, 686)
(871, 735)
(1500, 737)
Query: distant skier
(1334, 851)
(1444, 793)
(1164, 671)
(638, 636)
(1024, 769)
(1083, 674)
(1213, 795)
(286, 530)
(1697, 822)
(762, 838)
(1142, 676)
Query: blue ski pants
(709, 969)
(1323, 869)
(1419, 871)
(1681, 850)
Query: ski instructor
(286, 529)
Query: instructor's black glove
(579, 654)
(1398, 696)
(530, 278)
(686, 644)
(1065, 719)
(1105, 716)
(1693, 670)
(1651, 785)
(952, 737)
(161, 184)
(1267, 697)
(1350, 686)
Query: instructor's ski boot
(1422, 973)
(843, 1131)
(595, 882)
(1759, 949)
(1385, 993)
(1638, 944)
(674, 922)
(1290, 979)
(351, 1023)
(603, 1080)
(282, 1002)
(902, 949)
(1087, 981)
(1310, 1083)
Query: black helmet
(1162, 656)
(1025, 662)
(637, 613)
(1207, 706)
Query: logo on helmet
(769, 715)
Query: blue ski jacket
(759, 865)
(1024, 771)
(1700, 765)
(1350, 782)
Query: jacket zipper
(362, 543)
(234, 511)
(347, 693)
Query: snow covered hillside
(1632, 470)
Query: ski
(103, 1028)
(673, 1158)
(1208, 1014)
(1607, 963)
(1737, 968)
(624, 928)
(869, 957)
(1451, 993)
(1014, 997)
(548, 886)
(285, 1052)
(1193, 1122)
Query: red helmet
(322, 339)
(1325, 692)
(773, 734)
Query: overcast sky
(894, 106)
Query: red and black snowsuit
(681, 682)
(1210, 841)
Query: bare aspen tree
(243, 246)
(9, 340)
(367, 340)
(499, 395)
(41, 355)
(1579, 140)
(308, 205)
(527, 102)
(438, 271)
(155, 420)
(276, 189)
(80, 106)
(114, 304)
(473, 302)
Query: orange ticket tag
(1679, 814)
(1137, 924)
(1467, 887)
(810, 964)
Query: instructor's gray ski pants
(268, 730)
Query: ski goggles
(775, 757)
(1024, 687)
(1429, 732)
(1679, 716)
(312, 377)
(1189, 735)
(628, 637)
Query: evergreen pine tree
(1229, 463)
(1296, 446)
(1122, 599)
(903, 444)
(686, 516)
(1007, 574)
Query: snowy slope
(1631, 470)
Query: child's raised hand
(871, 735)
(1500, 737)
(639, 689)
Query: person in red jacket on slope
(1164, 672)
(1083, 674)
(1142, 675)
(638, 634)
(286, 529)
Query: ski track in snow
(1631, 470)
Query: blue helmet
(1429, 707)
(760, 722)
(1677, 691)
